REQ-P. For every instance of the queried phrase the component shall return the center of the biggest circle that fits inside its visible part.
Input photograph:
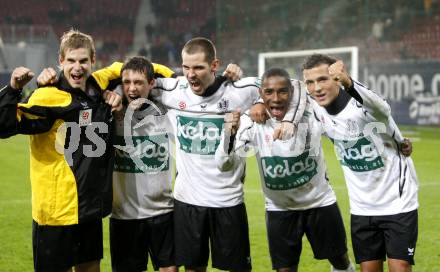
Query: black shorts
(375, 237)
(226, 229)
(132, 240)
(57, 248)
(323, 227)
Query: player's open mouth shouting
(277, 111)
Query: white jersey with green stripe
(198, 123)
(380, 180)
(292, 172)
(142, 176)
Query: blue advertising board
(411, 88)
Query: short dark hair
(276, 72)
(141, 65)
(203, 45)
(316, 60)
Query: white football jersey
(380, 180)
(292, 172)
(142, 174)
(198, 123)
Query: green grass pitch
(15, 207)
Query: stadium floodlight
(291, 60)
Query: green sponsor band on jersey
(359, 155)
(151, 153)
(199, 135)
(284, 173)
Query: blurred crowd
(384, 30)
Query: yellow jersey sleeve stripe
(29, 116)
(105, 75)
(162, 70)
(47, 97)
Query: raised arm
(371, 102)
(27, 118)
(235, 142)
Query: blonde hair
(74, 39)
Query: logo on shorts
(411, 251)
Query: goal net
(292, 60)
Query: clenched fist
(113, 99)
(47, 76)
(232, 122)
(233, 72)
(338, 72)
(20, 77)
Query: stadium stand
(110, 22)
(384, 31)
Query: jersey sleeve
(246, 90)
(232, 150)
(297, 104)
(317, 117)
(370, 101)
(164, 89)
(162, 71)
(32, 116)
(105, 76)
(394, 130)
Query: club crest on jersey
(353, 129)
(223, 104)
(182, 105)
(85, 117)
(267, 138)
(203, 106)
(183, 86)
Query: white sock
(350, 268)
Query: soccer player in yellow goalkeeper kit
(71, 155)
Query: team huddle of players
(96, 152)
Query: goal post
(281, 57)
